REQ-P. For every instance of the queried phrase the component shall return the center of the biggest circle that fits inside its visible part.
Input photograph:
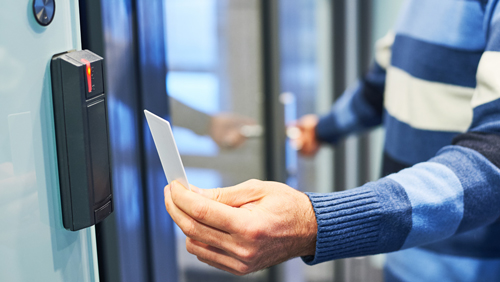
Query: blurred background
(229, 75)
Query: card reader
(82, 138)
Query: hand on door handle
(244, 228)
(303, 135)
(231, 131)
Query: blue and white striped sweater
(435, 87)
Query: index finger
(207, 211)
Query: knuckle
(200, 211)
(243, 269)
(234, 271)
(189, 228)
(252, 186)
(218, 195)
(254, 182)
(190, 247)
(246, 255)
(252, 232)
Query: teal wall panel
(34, 246)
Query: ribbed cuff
(348, 224)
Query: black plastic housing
(82, 138)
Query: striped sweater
(435, 87)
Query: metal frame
(340, 62)
(352, 269)
(339, 81)
(274, 115)
(365, 20)
(339, 85)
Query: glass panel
(34, 246)
(214, 83)
(306, 76)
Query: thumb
(234, 196)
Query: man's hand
(306, 141)
(244, 228)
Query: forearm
(360, 221)
(358, 109)
(456, 191)
(187, 117)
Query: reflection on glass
(192, 24)
(188, 143)
(197, 89)
(125, 172)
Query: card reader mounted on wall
(82, 138)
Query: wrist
(309, 227)
(326, 130)
(348, 224)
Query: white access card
(167, 149)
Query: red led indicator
(89, 74)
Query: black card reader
(82, 138)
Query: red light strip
(89, 74)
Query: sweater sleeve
(456, 191)
(360, 107)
